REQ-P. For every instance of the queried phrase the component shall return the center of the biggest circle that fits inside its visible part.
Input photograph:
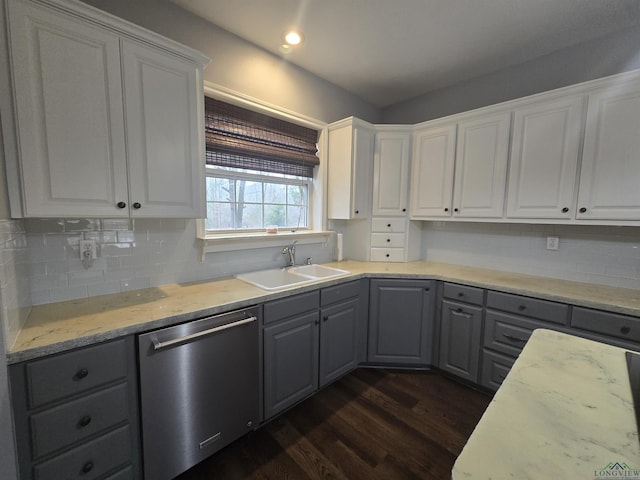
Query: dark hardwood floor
(371, 424)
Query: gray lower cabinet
(460, 334)
(309, 340)
(401, 321)
(76, 414)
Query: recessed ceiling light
(293, 37)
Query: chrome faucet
(291, 251)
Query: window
(240, 199)
(259, 170)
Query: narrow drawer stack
(76, 414)
(388, 239)
(509, 322)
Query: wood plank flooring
(371, 424)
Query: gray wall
(241, 66)
(594, 59)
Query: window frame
(316, 222)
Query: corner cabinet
(391, 173)
(401, 321)
(350, 162)
(108, 117)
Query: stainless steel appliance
(199, 387)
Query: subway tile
(82, 225)
(44, 225)
(115, 250)
(116, 224)
(126, 236)
(40, 297)
(103, 288)
(134, 284)
(68, 293)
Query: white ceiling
(387, 51)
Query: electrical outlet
(552, 243)
(87, 250)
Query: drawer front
(495, 368)
(508, 333)
(612, 324)
(387, 254)
(529, 307)
(124, 474)
(73, 421)
(63, 375)
(463, 293)
(89, 461)
(290, 306)
(395, 240)
(340, 292)
(388, 224)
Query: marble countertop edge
(62, 326)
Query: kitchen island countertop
(565, 410)
(61, 326)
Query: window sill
(245, 241)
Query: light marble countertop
(62, 326)
(564, 411)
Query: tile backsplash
(133, 254)
(15, 298)
(605, 255)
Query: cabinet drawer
(495, 368)
(339, 292)
(290, 306)
(508, 333)
(615, 325)
(73, 372)
(529, 307)
(89, 461)
(387, 254)
(73, 421)
(388, 224)
(462, 293)
(395, 240)
(124, 474)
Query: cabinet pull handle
(455, 210)
(459, 310)
(388, 255)
(137, 205)
(325, 318)
(625, 330)
(84, 421)
(565, 209)
(80, 374)
(582, 210)
(446, 209)
(389, 225)
(404, 209)
(460, 294)
(388, 239)
(357, 212)
(121, 204)
(514, 339)
(522, 307)
(87, 467)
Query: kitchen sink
(279, 278)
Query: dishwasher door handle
(158, 345)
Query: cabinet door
(481, 167)
(349, 172)
(432, 172)
(544, 159)
(610, 172)
(338, 340)
(290, 362)
(67, 83)
(164, 133)
(400, 322)
(460, 330)
(390, 173)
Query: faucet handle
(308, 261)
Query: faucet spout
(291, 251)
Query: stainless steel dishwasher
(199, 387)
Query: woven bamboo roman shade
(239, 138)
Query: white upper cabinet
(432, 172)
(350, 160)
(610, 174)
(481, 166)
(163, 108)
(391, 173)
(544, 159)
(88, 148)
